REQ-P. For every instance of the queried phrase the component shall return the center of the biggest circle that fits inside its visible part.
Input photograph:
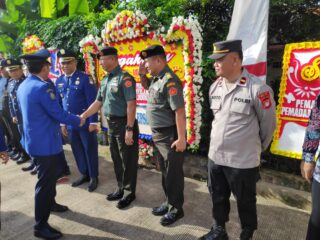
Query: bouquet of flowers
(32, 44)
(145, 150)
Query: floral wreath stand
(130, 33)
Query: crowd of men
(36, 113)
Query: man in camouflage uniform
(117, 97)
(167, 119)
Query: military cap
(12, 64)
(107, 51)
(153, 50)
(220, 49)
(65, 55)
(39, 56)
(2, 62)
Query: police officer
(14, 68)
(42, 139)
(166, 116)
(310, 169)
(243, 125)
(3, 147)
(10, 129)
(77, 91)
(117, 97)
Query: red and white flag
(250, 24)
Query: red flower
(175, 28)
(145, 21)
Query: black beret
(39, 56)
(12, 64)
(107, 51)
(220, 49)
(153, 50)
(65, 55)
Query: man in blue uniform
(14, 68)
(77, 91)
(117, 97)
(3, 147)
(42, 115)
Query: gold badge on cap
(8, 61)
(144, 54)
(62, 51)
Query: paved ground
(92, 217)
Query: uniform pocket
(215, 106)
(240, 113)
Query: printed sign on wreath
(300, 84)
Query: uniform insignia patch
(62, 51)
(77, 82)
(265, 100)
(171, 84)
(168, 75)
(128, 83)
(173, 91)
(243, 81)
(8, 62)
(60, 85)
(49, 90)
(52, 96)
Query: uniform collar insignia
(243, 81)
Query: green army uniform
(116, 89)
(165, 97)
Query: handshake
(83, 118)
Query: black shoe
(246, 234)
(125, 202)
(115, 196)
(34, 171)
(81, 180)
(93, 184)
(15, 157)
(47, 233)
(160, 211)
(171, 217)
(216, 233)
(22, 160)
(29, 168)
(59, 208)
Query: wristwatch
(128, 128)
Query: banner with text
(300, 84)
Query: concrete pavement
(91, 216)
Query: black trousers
(222, 181)
(124, 157)
(313, 232)
(49, 169)
(171, 165)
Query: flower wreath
(31, 44)
(130, 26)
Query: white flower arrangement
(90, 45)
